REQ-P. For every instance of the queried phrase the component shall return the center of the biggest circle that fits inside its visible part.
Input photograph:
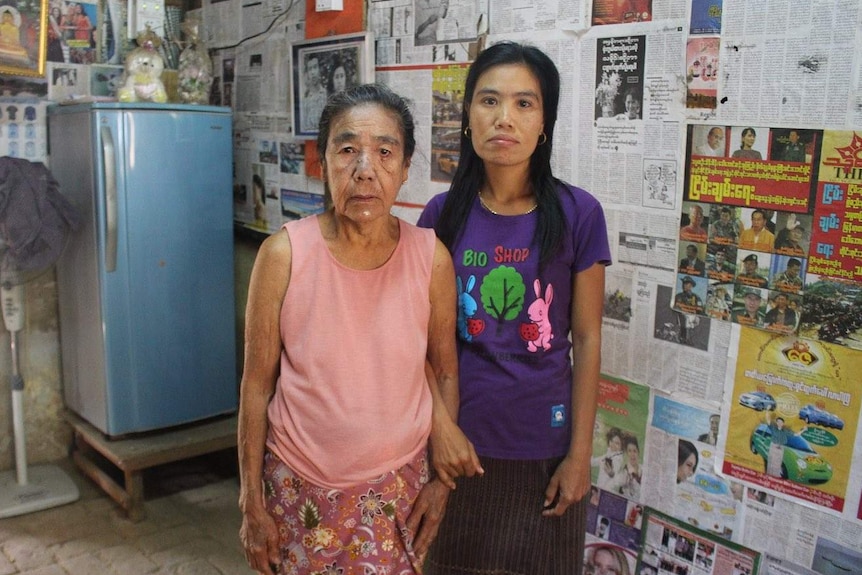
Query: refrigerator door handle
(108, 161)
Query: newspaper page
(517, 16)
(427, 31)
(433, 91)
(629, 111)
(262, 70)
(629, 104)
(672, 546)
(807, 540)
(786, 63)
(644, 339)
(270, 183)
(222, 23)
(255, 18)
(684, 481)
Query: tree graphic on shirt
(503, 294)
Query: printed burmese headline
(702, 189)
(800, 387)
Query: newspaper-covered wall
(657, 99)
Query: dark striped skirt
(494, 525)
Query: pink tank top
(352, 401)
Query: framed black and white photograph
(322, 67)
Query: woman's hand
(427, 514)
(452, 454)
(569, 484)
(259, 537)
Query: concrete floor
(191, 528)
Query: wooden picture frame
(323, 66)
(23, 37)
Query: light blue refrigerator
(146, 286)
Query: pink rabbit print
(538, 314)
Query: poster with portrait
(619, 77)
(79, 23)
(67, 81)
(747, 220)
(774, 215)
(23, 37)
(322, 67)
(619, 437)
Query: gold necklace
(487, 207)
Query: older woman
(344, 309)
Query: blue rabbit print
(467, 307)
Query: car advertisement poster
(793, 408)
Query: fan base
(47, 486)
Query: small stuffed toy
(144, 66)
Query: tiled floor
(191, 528)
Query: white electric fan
(34, 224)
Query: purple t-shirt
(513, 325)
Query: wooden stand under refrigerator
(135, 454)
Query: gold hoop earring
(542, 138)
(467, 132)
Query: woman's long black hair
(470, 174)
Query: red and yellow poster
(836, 243)
(771, 230)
